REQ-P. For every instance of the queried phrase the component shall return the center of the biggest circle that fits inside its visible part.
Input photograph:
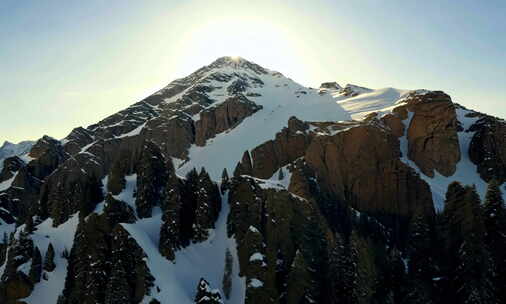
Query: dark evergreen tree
(29, 226)
(421, 260)
(49, 264)
(116, 178)
(225, 180)
(474, 273)
(299, 280)
(366, 268)
(117, 290)
(36, 266)
(3, 248)
(395, 278)
(152, 174)
(172, 205)
(343, 274)
(188, 207)
(494, 217)
(281, 174)
(227, 274)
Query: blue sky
(71, 63)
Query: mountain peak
(237, 62)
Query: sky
(65, 64)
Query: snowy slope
(177, 281)
(281, 98)
(381, 100)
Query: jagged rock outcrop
(174, 134)
(206, 295)
(488, 148)
(288, 145)
(330, 85)
(15, 282)
(361, 166)
(432, 133)
(351, 90)
(11, 166)
(77, 139)
(223, 117)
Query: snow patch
(178, 281)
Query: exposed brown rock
(174, 134)
(432, 134)
(394, 122)
(77, 139)
(288, 145)
(11, 165)
(223, 117)
(361, 166)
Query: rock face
(330, 85)
(15, 283)
(432, 133)
(362, 166)
(288, 145)
(206, 295)
(223, 117)
(351, 90)
(273, 227)
(488, 148)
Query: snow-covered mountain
(238, 175)
(9, 149)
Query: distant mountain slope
(9, 149)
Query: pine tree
(494, 217)
(49, 264)
(225, 181)
(420, 267)
(366, 268)
(420, 248)
(343, 274)
(474, 273)
(396, 275)
(281, 174)
(3, 248)
(117, 290)
(36, 267)
(116, 178)
(227, 274)
(29, 226)
(450, 230)
(299, 280)
(494, 212)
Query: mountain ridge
(234, 163)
